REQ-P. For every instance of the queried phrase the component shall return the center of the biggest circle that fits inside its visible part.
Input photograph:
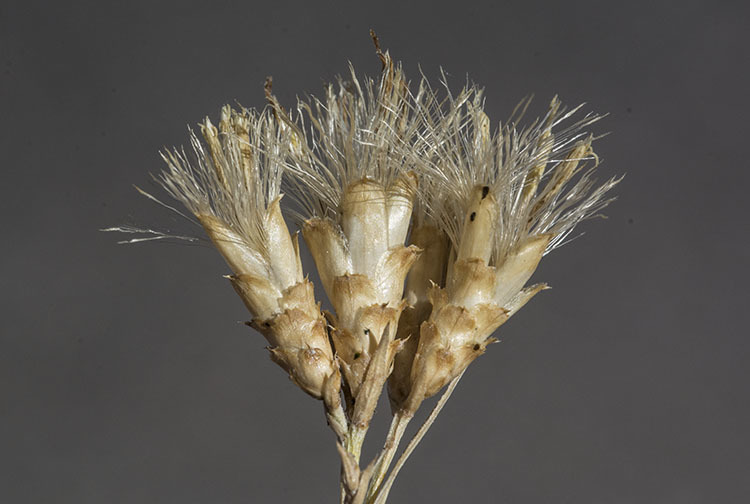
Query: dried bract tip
(479, 226)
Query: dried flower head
(351, 177)
(503, 199)
(424, 222)
(232, 186)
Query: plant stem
(353, 441)
(395, 433)
(381, 494)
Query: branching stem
(395, 433)
(381, 494)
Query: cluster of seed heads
(425, 224)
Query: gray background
(125, 377)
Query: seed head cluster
(424, 220)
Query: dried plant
(425, 225)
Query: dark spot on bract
(357, 355)
(367, 331)
(477, 346)
(485, 191)
(472, 216)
